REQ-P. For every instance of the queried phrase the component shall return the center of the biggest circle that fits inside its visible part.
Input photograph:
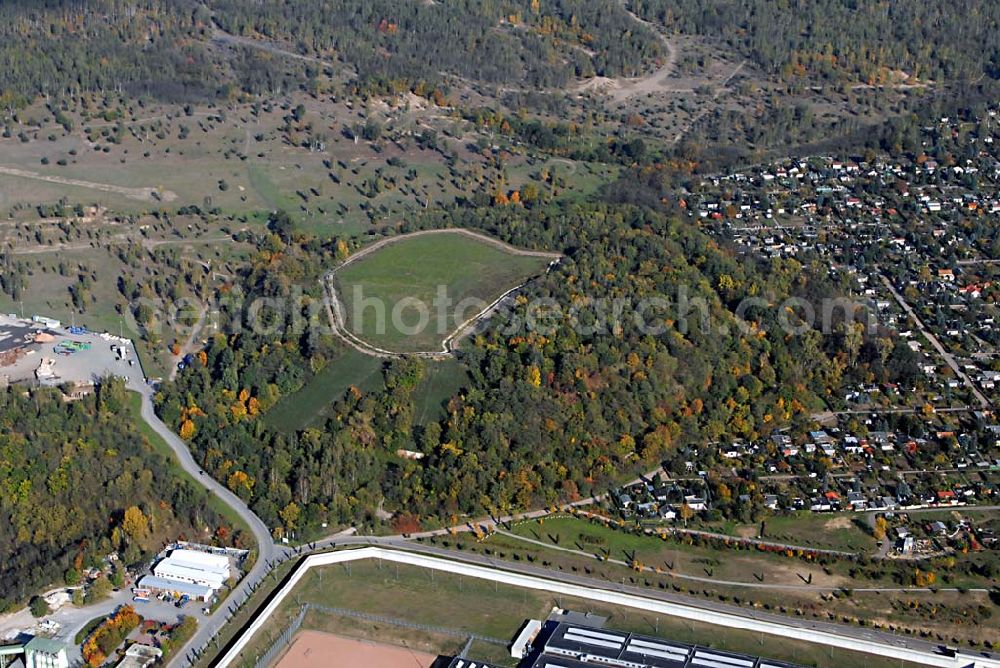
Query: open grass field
(239, 161)
(830, 532)
(765, 577)
(412, 293)
(244, 160)
(308, 406)
(416, 595)
(442, 380)
(674, 556)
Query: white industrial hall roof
(203, 568)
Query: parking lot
(68, 357)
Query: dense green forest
(166, 49)
(541, 43)
(57, 48)
(545, 416)
(860, 40)
(68, 474)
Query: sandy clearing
(314, 648)
(838, 523)
(621, 89)
(793, 574)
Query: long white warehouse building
(200, 568)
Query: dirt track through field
(141, 194)
(148, 244)
(312, 648)
(719, 90)
(507, 248)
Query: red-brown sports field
(312, 649)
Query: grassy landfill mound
(416, 267)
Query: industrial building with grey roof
(566, 645)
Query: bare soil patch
(840, 522)
(313, 648)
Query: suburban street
(270, 555)
(929, 335)
(827, 416)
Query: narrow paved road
(945, 355)
(854, 474)
(649, 569)
(891, 410)
(184, 457)
(188, 345)
(491, 523)
(72, 619)
(267, 552)
(957, 509)
(69, 618)
(271, 555)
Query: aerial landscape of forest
(687, 303)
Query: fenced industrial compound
(288, 634)
(823, 634)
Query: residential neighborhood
(914, 243)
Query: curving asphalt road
(270, 554)
(187, 462)
(73, 619)
(267, 552)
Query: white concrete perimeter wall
(595, 594)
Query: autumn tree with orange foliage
(103, 641)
